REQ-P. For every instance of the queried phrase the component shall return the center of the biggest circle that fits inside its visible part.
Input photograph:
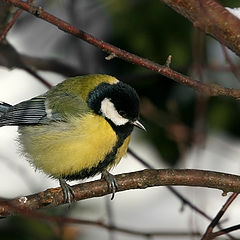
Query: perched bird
(77, 129)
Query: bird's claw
(68, 193)
(111, 181)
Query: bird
(77, 129)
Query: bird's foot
(68, 193)
(111, 181)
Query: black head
(118, 103)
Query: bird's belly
(66, 149)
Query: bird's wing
(24, 113)
(41, 110)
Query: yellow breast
(68, 148)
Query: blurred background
(184, 128)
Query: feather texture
(4, 107)
(25, 113)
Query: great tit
(77, 129)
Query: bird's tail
(3, 108)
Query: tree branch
(225, 231)
(208, 234)
(135, 180)
(10, 58)
(6, 12)
(11, 23)
(207, 89)
(233, 67)
(212, 18)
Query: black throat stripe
(122, 132)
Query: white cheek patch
(109, 111)
(48, 110)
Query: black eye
(122, 113)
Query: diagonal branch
(212, 18)
(184, 200)
(232, 65)
(135, 180)
(207, 89)
(215, 221)
(225, 231)
(11, 23)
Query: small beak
(139, 125)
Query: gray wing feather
(33, 111)
(4, 107)
(25, 113)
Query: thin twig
(233, 67)
(212, 18)
(225, 231)
(208, 234)
(208, 89)
(11, 23)
(173, 190)
(37, 76)
(176, 193)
